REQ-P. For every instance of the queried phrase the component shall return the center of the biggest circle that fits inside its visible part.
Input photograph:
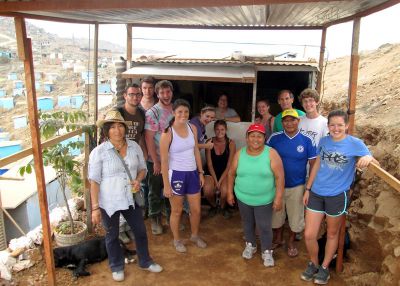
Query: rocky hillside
(375, 212)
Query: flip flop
(276, 245)
(292, 252)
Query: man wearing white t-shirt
(313, 124)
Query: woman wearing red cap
(256, 175)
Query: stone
(396, 251)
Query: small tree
(59, 156)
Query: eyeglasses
(134, 94)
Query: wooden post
(321, 61)
(25, 54)
(86, 185)
(254, 101)
(128, 46)
(96, 73)
(351, 111)
(355, 58)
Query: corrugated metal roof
(209, 69)
(278, 14)
(311, 63)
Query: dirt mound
(374, 214)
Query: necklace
(119, 148)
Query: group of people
(293, 164)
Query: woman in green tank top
(257, 177)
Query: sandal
(292, 252)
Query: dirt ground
(219, 264)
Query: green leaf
(29, 168)
(21, 171)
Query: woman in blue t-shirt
(327, 190)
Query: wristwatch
(201, 172)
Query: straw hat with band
(111, 116)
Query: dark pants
(145, 189)
(261, 217)
(134, 217)
(156, 198)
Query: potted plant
(66, 166)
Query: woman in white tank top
(182, 172)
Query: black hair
(339, 113)
(134, 85)
(107, 126)
(179, 102)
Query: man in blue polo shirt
(296, 150)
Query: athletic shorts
(331, 206)
(184, 182)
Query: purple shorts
(184, 182)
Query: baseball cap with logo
(256, 127)
(290, 112)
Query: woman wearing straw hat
(111, 192)
(256, 174)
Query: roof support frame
(321, 61)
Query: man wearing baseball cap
(296, 150)
(285, 100)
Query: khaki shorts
(293, 207)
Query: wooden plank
(13, 221)
(37, 149)
(70, 5)
(46, 18)
(321, 61)
(388, 178)
(29, 151)
(353, 77)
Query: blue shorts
(331, 206)
(184, 182)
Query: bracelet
(308, 189)
(201, 172)
(95, 209)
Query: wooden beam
(353, 78)
(388, 178)
(128, 46)
(321, 61)
(364, 13)
(29, 151)
(26, 50)
(45, 18)
(70, 5)
(351, 111)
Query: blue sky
(376, 29)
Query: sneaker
(249, 251)
(118, 276)
(212, 212)
(154, 268)
(310, 272)
(156, 227)
(179, 246)
(199, 242)
(322, 276)
(268, 259)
